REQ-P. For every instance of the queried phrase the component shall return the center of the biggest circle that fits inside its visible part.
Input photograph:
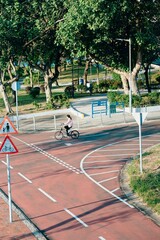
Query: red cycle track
(70, 188)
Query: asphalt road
(70, 189)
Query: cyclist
(68, 125)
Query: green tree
(93, 29)
(28, 32)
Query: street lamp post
(130, 71)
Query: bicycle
(74, 134)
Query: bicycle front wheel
(74, 134)
(58, 135)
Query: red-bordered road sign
(8, 146)
(7, 127)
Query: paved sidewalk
(12, 231)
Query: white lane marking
(6, 164)
(68, 144)
(105, 161)
(108, 166)
(47, 195)
(101, 148)
(102, 238)
(98, 184)
(77, 218)
(95, 174)
(53, 158)
(114, 190)
(114, 155)
(20, 174)
(118, 149)
(106, 180)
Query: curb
(76, 112)
(133, 198)
(26, 220)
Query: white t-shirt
(69, 123)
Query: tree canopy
(43, 32)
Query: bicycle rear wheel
(58, 135)
(74, 134)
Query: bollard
(55, 125)
(34, 123)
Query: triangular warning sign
(7, 127)
(140, 117)
(8, 146)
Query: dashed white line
(77, 218)
(64, 164)
(102, 238)
(108, 179)
(6, 164)
(55, 159)
(47, 195)
(20, 174)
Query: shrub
(82, 88)
(28, 89)
(69, 90)
(35, 92)
(58, 101)
(158, 79)
(37, 105)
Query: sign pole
(140, 117)
(17, 104)
(9, 188)
(140, 143)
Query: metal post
(77, 121)
(34, 123)
(55, 126)
(17, 123)
(130, 77)
(140, 143)
(9, 188)
(72, 79)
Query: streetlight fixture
(130, 72)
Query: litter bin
(81, 81)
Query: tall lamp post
(130, 72)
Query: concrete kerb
(25, 219)
(76, 112)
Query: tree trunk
(135, 71)
(125, 84)
(146, 69)
(31, 77)
(86, 71)
(48, 87)
(134, 86)
(5, 99)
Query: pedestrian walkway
(81, 111)
(82, 108)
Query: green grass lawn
(147, 185)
